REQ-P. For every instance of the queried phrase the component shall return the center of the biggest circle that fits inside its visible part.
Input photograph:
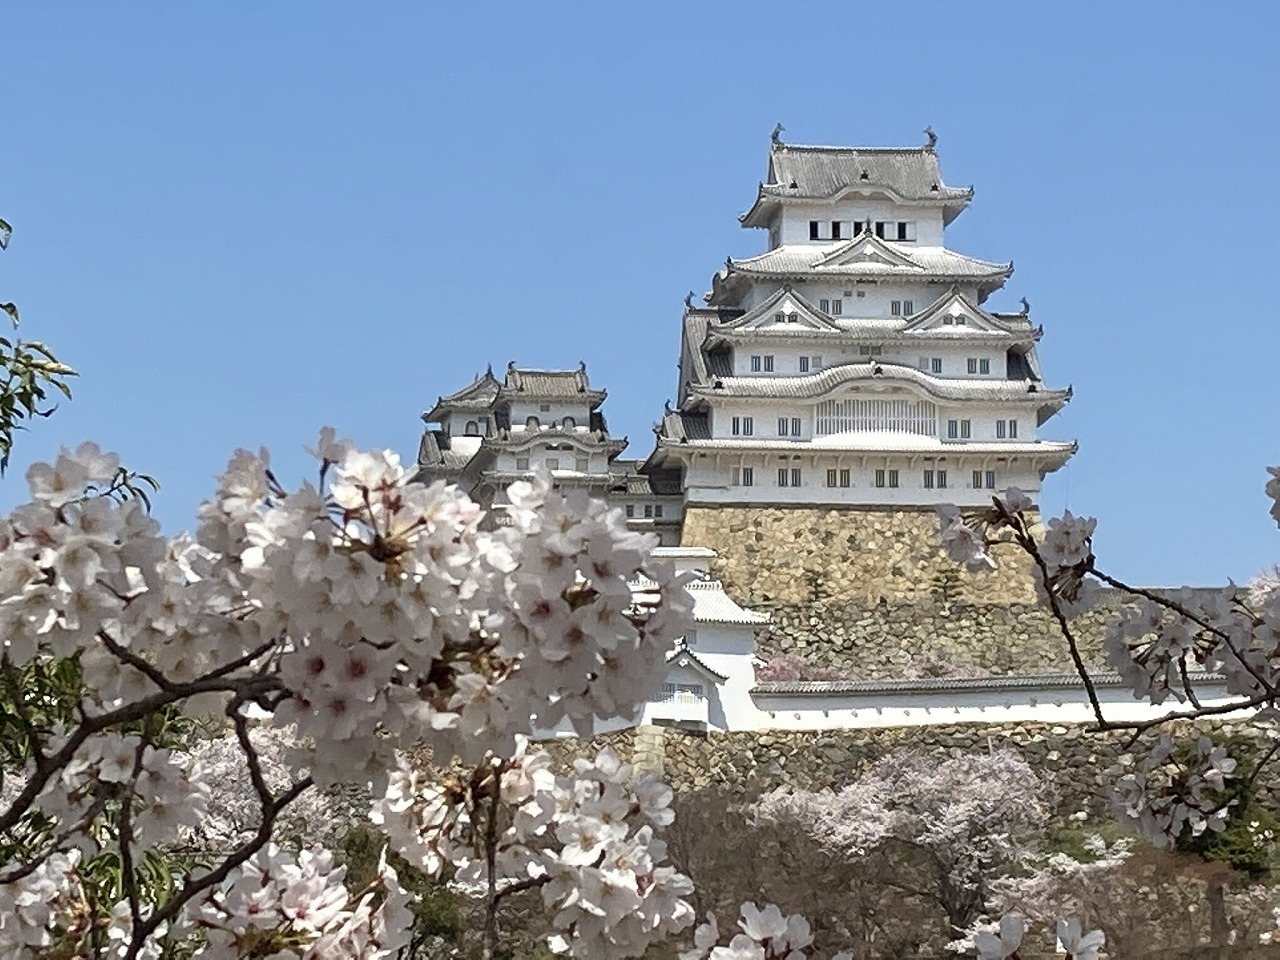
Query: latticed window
(688, 694)
(857, 415)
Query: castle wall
(797, 554)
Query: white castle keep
(851, 368)
(853, 361)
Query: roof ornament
(688, 300)
(582, 366)
(1026, 306)
(728, 263)
(864, 175)
(776, 136)
(511, 365)
(489, 371)
(666, 406)
(933, 139)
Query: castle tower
(837, 387)
(493, 432)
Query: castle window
(942, 479)
(895, 307)
(779, 318)
(928, 479)
(1013, 428)
(782, 426)
(568, 423)
(544, 408)
(908, 307)
(782, 476)
(813, 229)
(936, 364)
(966, 429)
(947, 321)
(532, 423)
(973, 365)
(747, 476)
(906, 230)
(893, 478)
(768, 364)
(961, 321)
(1000, 428)
(844, 478)
(831, 478)
(795, 426)
(742, 426)
(553, 463)
(631, 509)
(648, 511)
(867, 351)
(991, 479)
(836, 231)
(953, 429)
(582, 464)
(795, 476)
(472, 429)
(861, 294)
(522, 463)
(755, 364)
(657, 510)
(880, 228)
(824, 306)
(804, 364)
(879, 478)
(857, 228)
(837, 307)
(984, 366)
(748, 426)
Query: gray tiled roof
(434, 452)
(823, 688)
(821, 172)
(885, 442)
(816, 384)
(550, 385)
(677, 425)
(682, 652)
(927, 263)
(477, 395)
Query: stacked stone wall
(896, 639)
(800, 554)
(1072, 760)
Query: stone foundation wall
(1070, 759)
(874, 641)
(799, 554)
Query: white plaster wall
(795, 218)
(1068, 705)
(708, 482)
(729, 649)
(520, 412)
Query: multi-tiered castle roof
(854, 361)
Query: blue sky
(241, 221)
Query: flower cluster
(1003, 940)
(366, 614)
(44, 902)
(282, 906)
(1163, 796)
(766, 935)
(588, 842)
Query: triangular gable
(955, 311)
(867, 248)
(798, 313)
(682, 656)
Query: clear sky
(243, 220)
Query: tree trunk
(1219, 932)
